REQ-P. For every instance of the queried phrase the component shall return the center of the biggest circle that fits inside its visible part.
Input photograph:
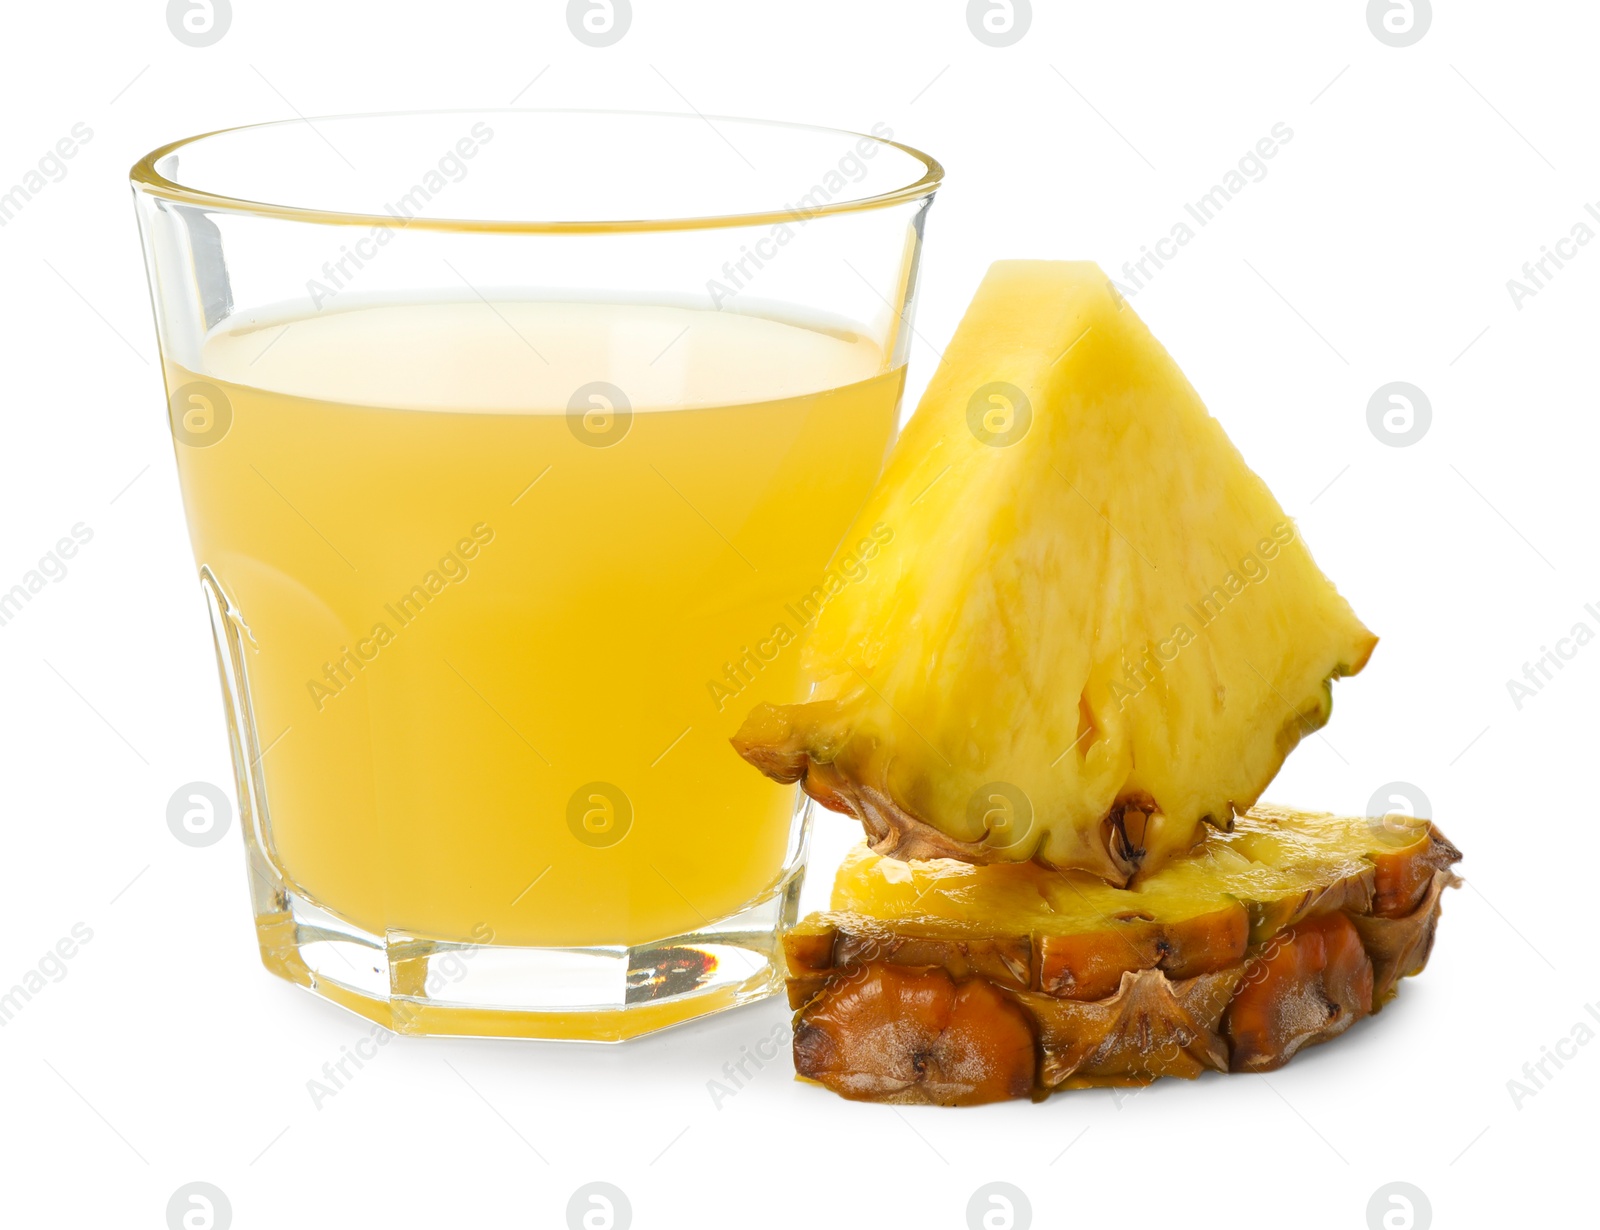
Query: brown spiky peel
(1263, 942)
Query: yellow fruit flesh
(1276, 863)
(1091, 628)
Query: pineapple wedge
(948, 983)
(1090, 630)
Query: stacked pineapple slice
(1052, 701)
(941, 981)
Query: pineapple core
(1089, 629)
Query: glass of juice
(516, 449)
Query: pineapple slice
(1082, 627)
(921, 981)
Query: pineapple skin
(1263, 942)
(1091, 631)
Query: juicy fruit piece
(1260, 942)
(1277, 866)
(1085, 627)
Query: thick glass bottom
(415, 985)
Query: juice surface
(488, 659)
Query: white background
(1377, 249)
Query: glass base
(414, 985)
(420, 985)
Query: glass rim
(146, 178)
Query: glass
(514, 447)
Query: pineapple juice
(497, 622)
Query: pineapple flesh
(1086, 630)
(950, 983)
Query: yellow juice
(494, 647)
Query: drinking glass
(515, 447)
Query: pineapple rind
(1340, 910)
